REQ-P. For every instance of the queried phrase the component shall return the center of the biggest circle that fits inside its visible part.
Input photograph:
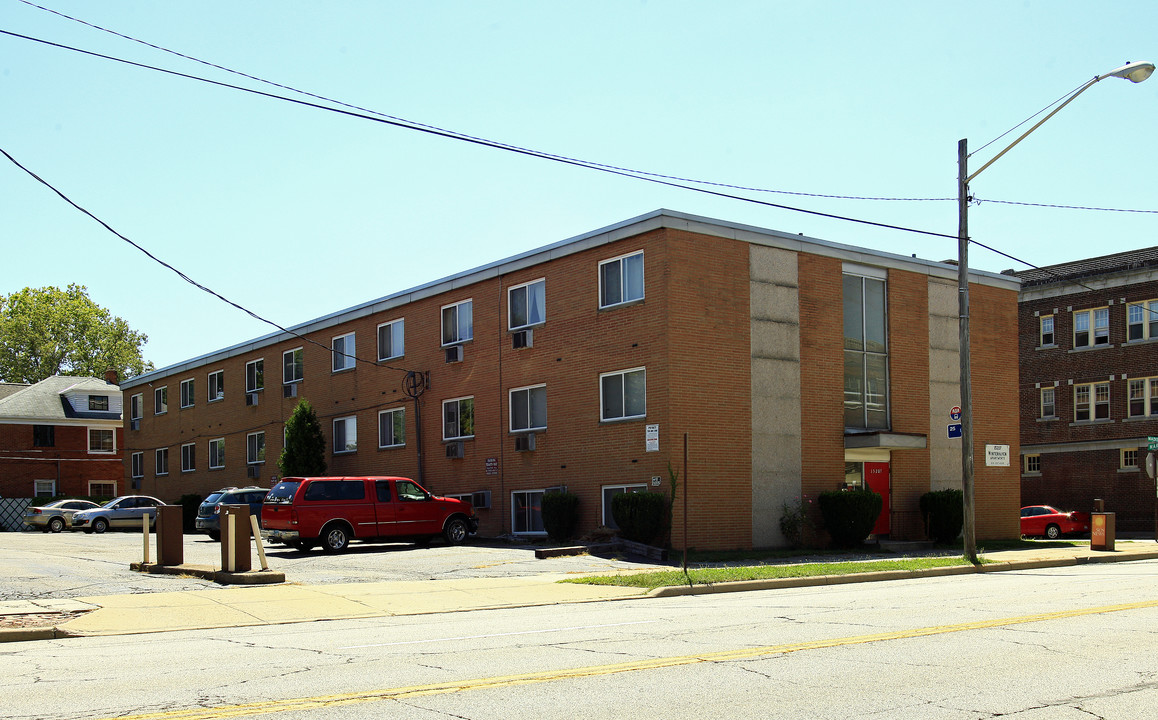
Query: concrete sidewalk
(289, 603)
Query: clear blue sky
(296, 212)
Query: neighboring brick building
(60, 436)
(793, 366)
(1089, 384)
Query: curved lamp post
(1134, 72)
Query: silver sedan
(56, 515)
(121, 512)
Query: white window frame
(217, 453)
(1128, 459)
(100, 451)
(608, 520)
(255, 448)
(1145, 314)
(538, 288)
(1146, 390)
(1051, 405)
(161, 400)
(1031, 464)
(255, 380)
(189, 395)
(460, 336)
(215, 385)
(1042, 332)
(44, 488)
(349, 425)
(1096, 326)
(161, 462)
(298, 365)
(136, 406)
(137, 465)
(603, 417)
(605, 269)
(397, 334)
(527, 404)
(530, 517)
(189, 453)
(1093, 401)
(458, 417)
(388, 416)
(342, 352)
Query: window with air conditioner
(292, 366)
(138, 465)
(255, 448)
(528, 408)
(526, 305)
(255, 375)
(458, 418)
(457, 322)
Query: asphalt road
(38, 565)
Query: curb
(28, 634)
(205, 572)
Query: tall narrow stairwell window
(866, 358)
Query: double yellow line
(323, 701)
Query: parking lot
(38, 565)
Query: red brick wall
(68, 462)
(821, 374)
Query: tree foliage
(304, 454)
(48, 331)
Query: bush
(189, 504)
(641, 517)
(849, 515)
(944, 514)
(560, 514)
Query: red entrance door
(876, 476)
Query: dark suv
(209, 514)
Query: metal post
(969, 530)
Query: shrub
(189, 504)
(849, 515)
(560, 511)
(944, 514)
(641, 517)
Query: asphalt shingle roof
(46, 400)
(1090, 267)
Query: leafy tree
(48, 331)
(304, 453)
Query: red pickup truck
(303, 511)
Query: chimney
(111, 377)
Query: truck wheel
(456, 531)
(56, 524)
(100, 525)
(335, 539)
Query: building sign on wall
(651, 438)
(492, 466)
(997, 455)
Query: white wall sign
(651, 438)
(997, 456)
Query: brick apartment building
(61, 436)
(1089, 384)
(792, 365)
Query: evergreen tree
(304, 454)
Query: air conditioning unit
(481, 499)
(251, 398)
(290, 391)
(252, 472)
(525, 443)
(454, 354)
(454, 449)
(135, 424)
(523, 339)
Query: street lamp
(1134, 72)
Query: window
(527, 512)
(255, 375)
(1098, 320)
(98, 403)
(102, 489)
(609, 492)
(188, 457)
(1143, 397)
(216, 386)
(101, 441)
(1032, 464)
(621, 280)
(623, 394)
(458, 419)
(1048, 405)
(43, 436)
(255, 448)
(529, 408)
(217, 454)
(392, 428)
(187, 393)
(1129, 459)
(1097, 394)
(527, 304)
(392, 339)
(345, 435)
(44, 488)
(162, 461)
(1142, 320)
(161, 401)
(136, 406)
(866, 359)
(138, 464)
(1046, 325)
(457, 322)
(291, 366)
(408, 491)
(343, 347)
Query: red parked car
(1047, 521)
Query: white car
(121, 512)
(56, 515)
